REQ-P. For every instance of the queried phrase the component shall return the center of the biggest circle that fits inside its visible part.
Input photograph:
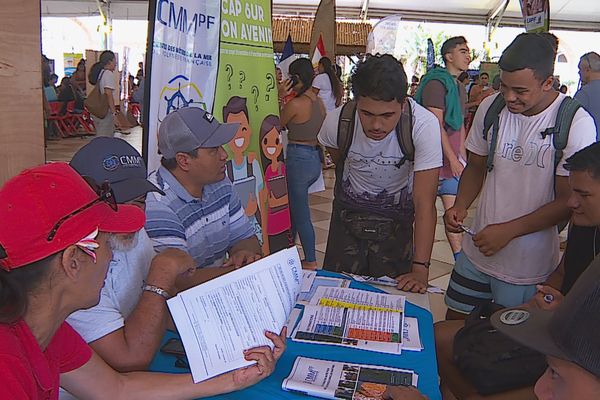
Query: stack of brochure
(340, 380)
(353, 318)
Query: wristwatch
(155, 289)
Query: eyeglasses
(105, 194)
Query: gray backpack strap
(562, 126)
(404, 133)
(492, 120)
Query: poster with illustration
(70, 62)
(246, 93)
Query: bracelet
(156, 290)
(426, 264)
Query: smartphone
(174, 347)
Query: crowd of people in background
(90, 253)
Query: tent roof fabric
(565, 14)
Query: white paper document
(308, 277)
(341, 380)
(322, 281)
(221, 318)
(411, 340)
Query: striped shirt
(206, 228)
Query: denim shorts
(448, 186)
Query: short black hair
(171, 163)
(586, 160)
(450, 44)
(534, 51)
(484, 73)
(380, 77)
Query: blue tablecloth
(423, 362)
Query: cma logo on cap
(209, 117)
(113, 162)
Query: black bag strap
(492, 120)
(404, 131)
(345, 131)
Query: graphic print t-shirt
(372, 179)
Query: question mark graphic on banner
(229, 71)
(242, 78)
(270, 85)
(255, 92)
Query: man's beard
(120, 242)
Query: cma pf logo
(113, 162)
(178, 93)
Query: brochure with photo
(340, 380)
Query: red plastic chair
(80, 119)
(60, 121)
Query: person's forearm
(469, 186)
(425, 221)
(544, 217)
(556, 278)
(111, 101)
(200, 276)
(159, 386)
(447, 147)
(249, 244)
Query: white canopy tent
(565, 14)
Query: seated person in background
(126, 327)
(69, 92)
(54, 256)
(200, 212)
(582, 246)
(567, 336)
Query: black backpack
(404, 130)
(560, 131)
(492, 361)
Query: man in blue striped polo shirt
(199, 212)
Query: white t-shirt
(323, 83)
(120, 294)
(371, 176)
(521, 182)
(107, 80)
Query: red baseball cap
(35, 200)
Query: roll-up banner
(218, 55)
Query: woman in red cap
(54, 255)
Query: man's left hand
(415, 281)
(493, 238)
(241, 258)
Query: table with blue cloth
(423, 362)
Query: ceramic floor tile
(439, 268)
(438, 307)
(441, 282)
(314, 200)
(442, 252)
(440, 232)
(325, 207)
(317, 215)
(322, 247)
(321, 235)
(322, 225)
(327, 193)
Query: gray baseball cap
(570, 332)
(190, 128)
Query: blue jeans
(303, 167)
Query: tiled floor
(320, 204)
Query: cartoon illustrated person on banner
(278, 212)
(244, 170)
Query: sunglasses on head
(105, 194)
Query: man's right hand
(453, 218)
(542, 291)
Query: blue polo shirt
(206, 228)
